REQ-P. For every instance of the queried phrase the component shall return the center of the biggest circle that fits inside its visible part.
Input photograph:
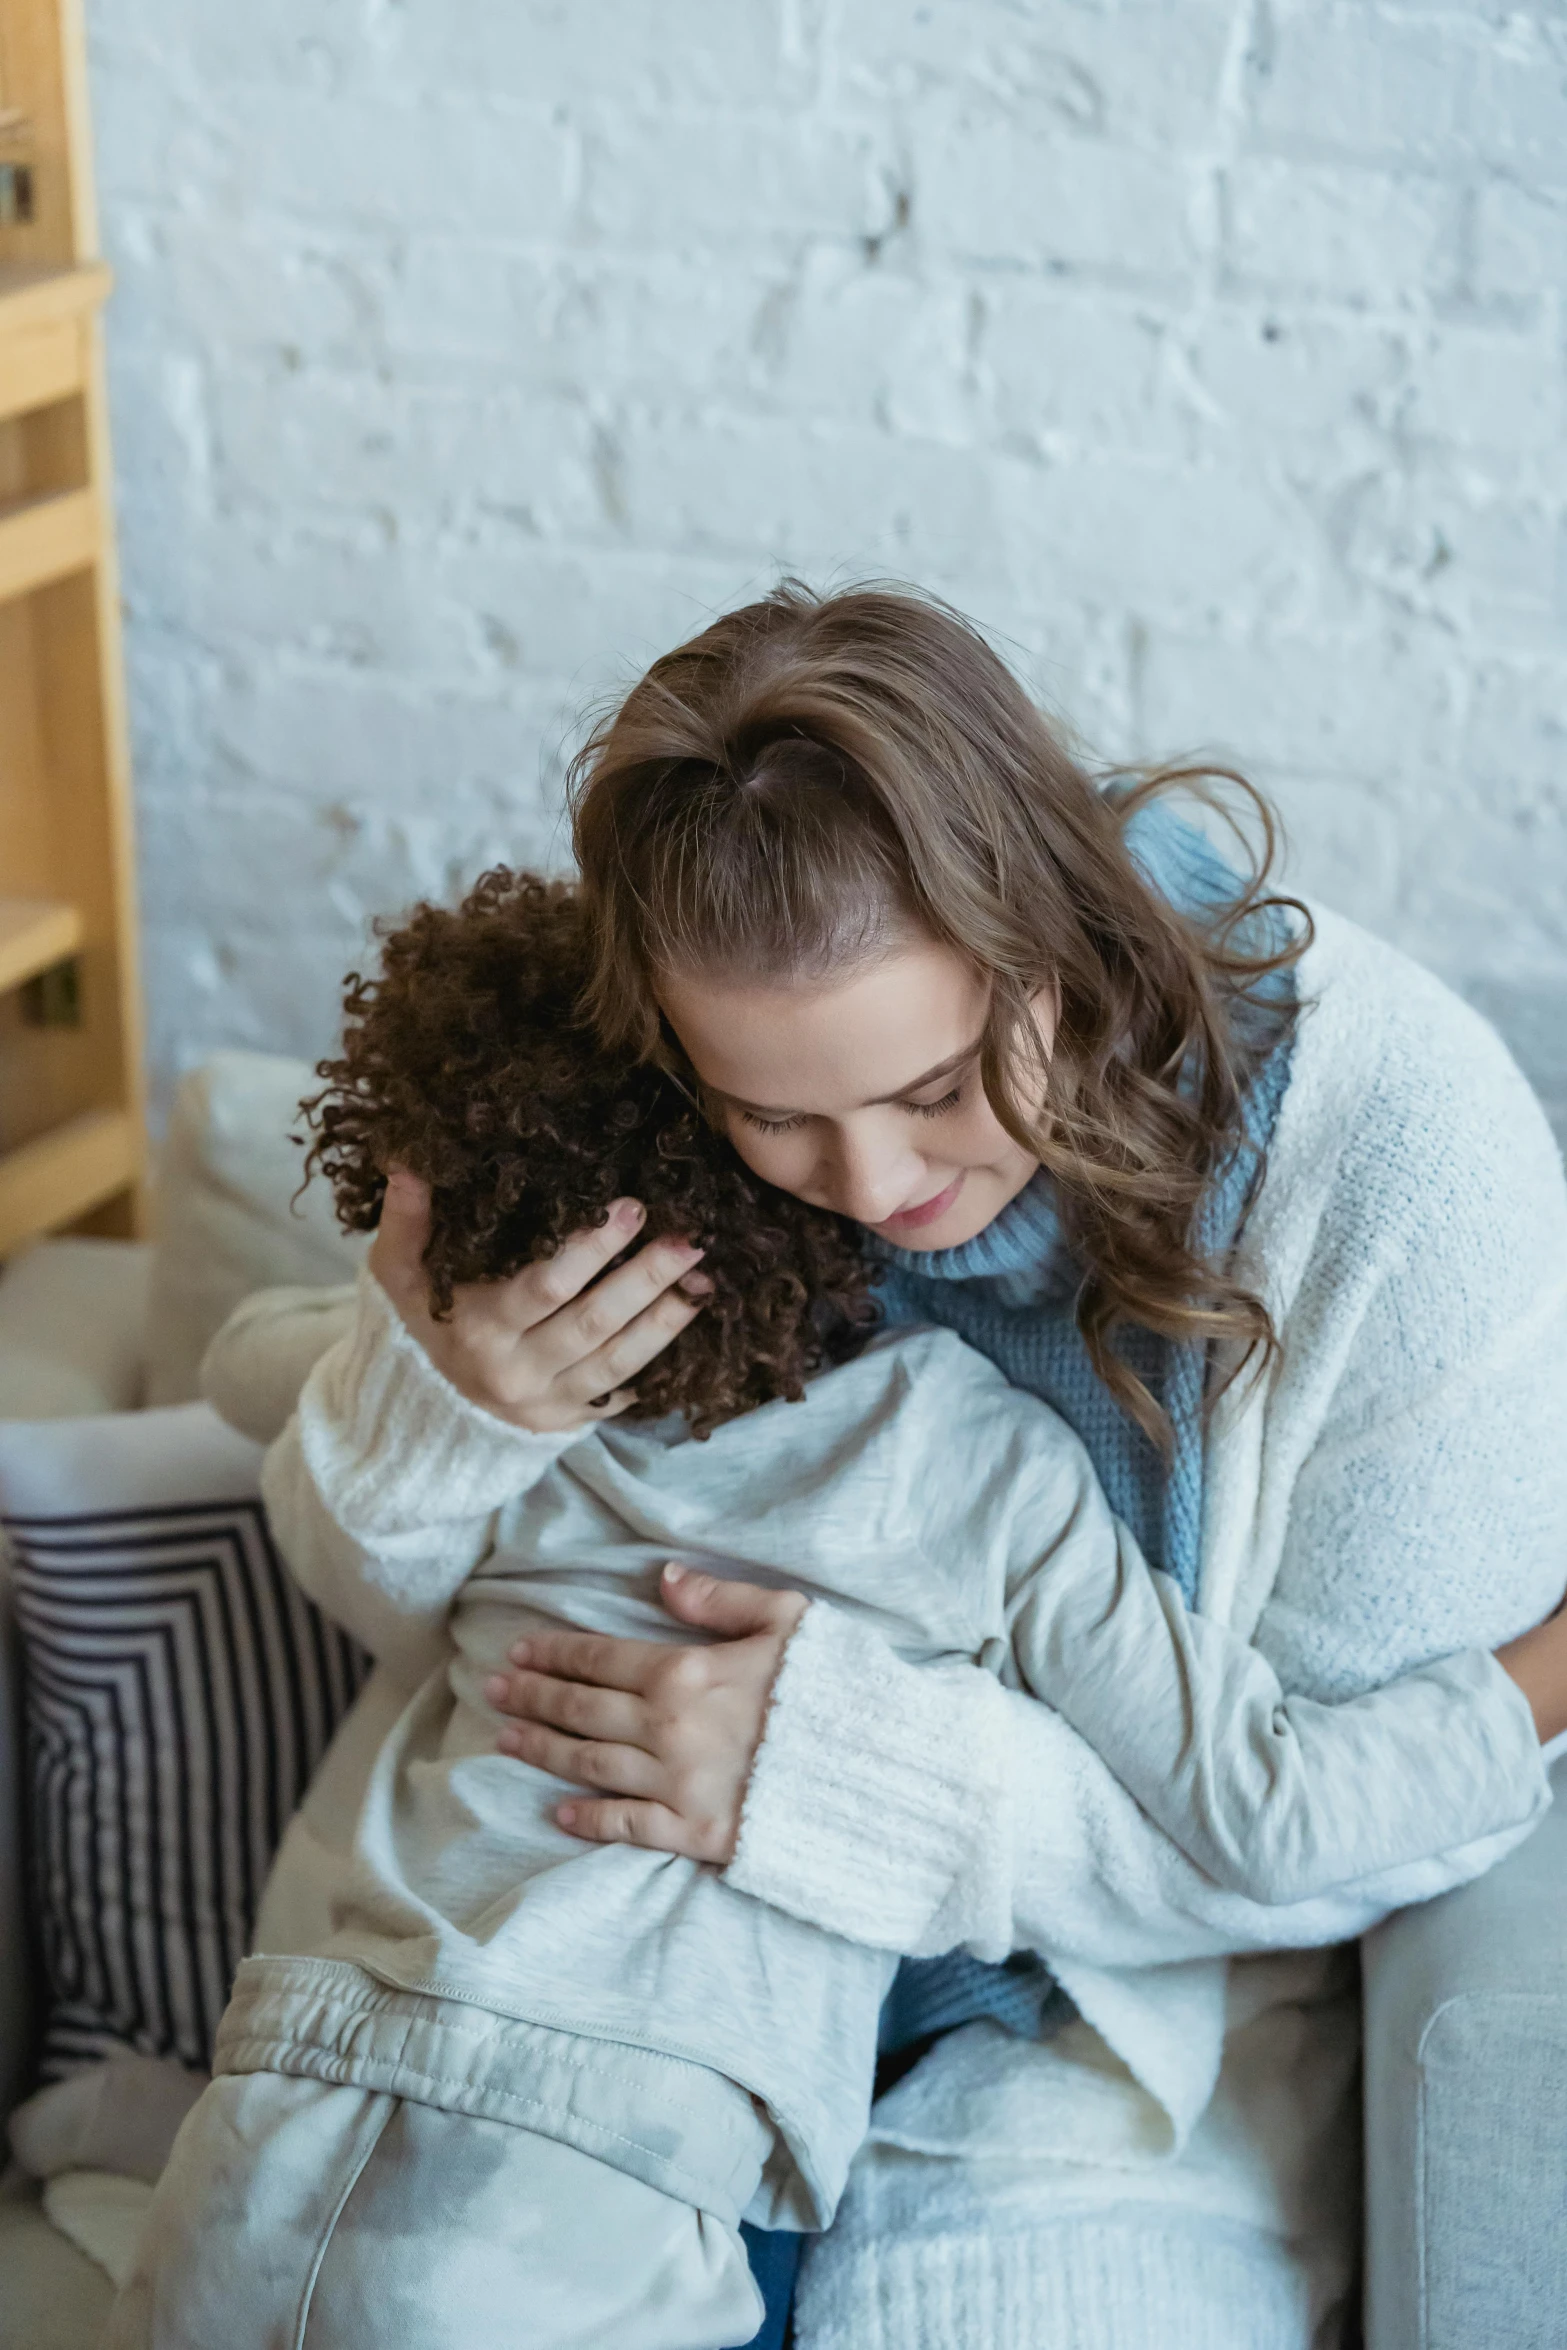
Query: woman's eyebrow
(942, 1069)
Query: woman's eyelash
(948, 1101)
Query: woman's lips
(910, 1219)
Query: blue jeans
(774, 2255)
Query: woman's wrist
(876, 1807)
(1537, 1662)
(392, 1444)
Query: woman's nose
(869, 1183)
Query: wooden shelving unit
(72, 1148)
(35, 936)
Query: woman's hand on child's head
(665, 1736)
(553, 1347)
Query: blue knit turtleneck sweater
(1011, 1292)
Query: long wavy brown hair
(818, 778)
(468, 1061)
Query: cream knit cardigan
(1393, 1489)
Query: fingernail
(674, 1572)
(695, 1284)
(629, 1214)
(518, 1652)
(566, 1813)
(400, 1180)
(495, 1687)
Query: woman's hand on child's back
(554, 1346)
(665, 1736)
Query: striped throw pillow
(178, 1691)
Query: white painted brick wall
(468, 352)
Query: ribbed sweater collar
(1025, 1237)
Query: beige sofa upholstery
(52, 2297)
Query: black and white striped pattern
(179, 1692)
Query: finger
(733, 1610)
(586, 1328)
(616, 1820)
(540, 1290)
(616, 1770)
(630, 1351)
(401, 1238)
(604, 1714)
(611, 1407)
(592, 1656)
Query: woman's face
(862, 1093)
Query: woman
(1270, 1218)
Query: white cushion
(228, 1222)
(102, 2214)
(73, 1317)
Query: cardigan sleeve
(383, 1487)
(1276, 1795)
(919, 1808)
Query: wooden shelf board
(35, 934)
(44, 346)
(46, 539)
(59, 1176)
(40, 365)
(31, 298)
(61, 680)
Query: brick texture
(1209, 351)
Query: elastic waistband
(680, 2127)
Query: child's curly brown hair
(469, 1063)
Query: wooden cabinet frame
(72, 1111)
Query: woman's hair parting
(469, 1062)
(816, 778)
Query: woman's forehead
(828, 1046)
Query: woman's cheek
(768, 1155)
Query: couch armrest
(1466, 2110)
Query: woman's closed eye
(771, 1125)
(948, 1101)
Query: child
(512, 2089)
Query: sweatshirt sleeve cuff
(254, 1371)
(877, 1802)
(393, 1445)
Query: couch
(1465, 1999)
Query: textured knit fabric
(1011, 1291)
(1243, 2243)
(1395, 1487)
(664, 1997)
